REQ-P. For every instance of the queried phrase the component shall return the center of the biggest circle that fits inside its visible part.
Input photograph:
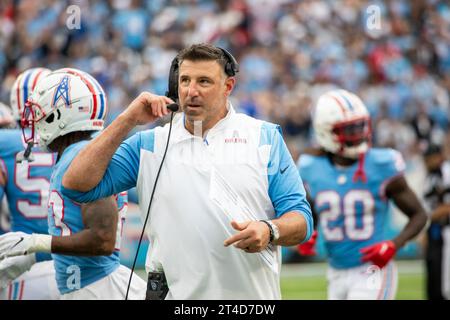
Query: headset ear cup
(172, 92)
(231, 67)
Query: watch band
(273, 229)
(270, 229)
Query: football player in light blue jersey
(66, 108)
(349, 187)
(25, 185)
(6, 121)
(4, 216)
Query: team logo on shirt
(235, 138)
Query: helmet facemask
(353, 137)
(32, 120)
(341, 122)
(27, 123)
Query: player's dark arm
(99, 236)
(406, 200)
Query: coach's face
(203, 91)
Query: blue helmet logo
(62, 92)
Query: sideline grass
(410, 287)
(306, 281)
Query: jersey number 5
(33, 184)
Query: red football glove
(308, 248)
(379, 253)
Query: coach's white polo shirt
(239, 157)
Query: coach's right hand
(147, 108)
(252, 236)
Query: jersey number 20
(339, 216)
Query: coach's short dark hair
(202, 52)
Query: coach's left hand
(253, 236)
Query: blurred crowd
(395, 54)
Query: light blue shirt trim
(286, 189)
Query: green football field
(306, 281)
(410, 287)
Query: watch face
(275, 233)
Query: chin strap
(25, 155)
(360, 173)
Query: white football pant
(367, 282)
(36, 284)
(111, 287)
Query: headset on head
(231, 68)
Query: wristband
(40, 243)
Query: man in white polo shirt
(228, 196)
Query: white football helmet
(66, 100)
(22, 89)
(341, 122)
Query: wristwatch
(274, 231)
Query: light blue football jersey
(65, 218)
(4, 214)
(28, 183)
(351, 214)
